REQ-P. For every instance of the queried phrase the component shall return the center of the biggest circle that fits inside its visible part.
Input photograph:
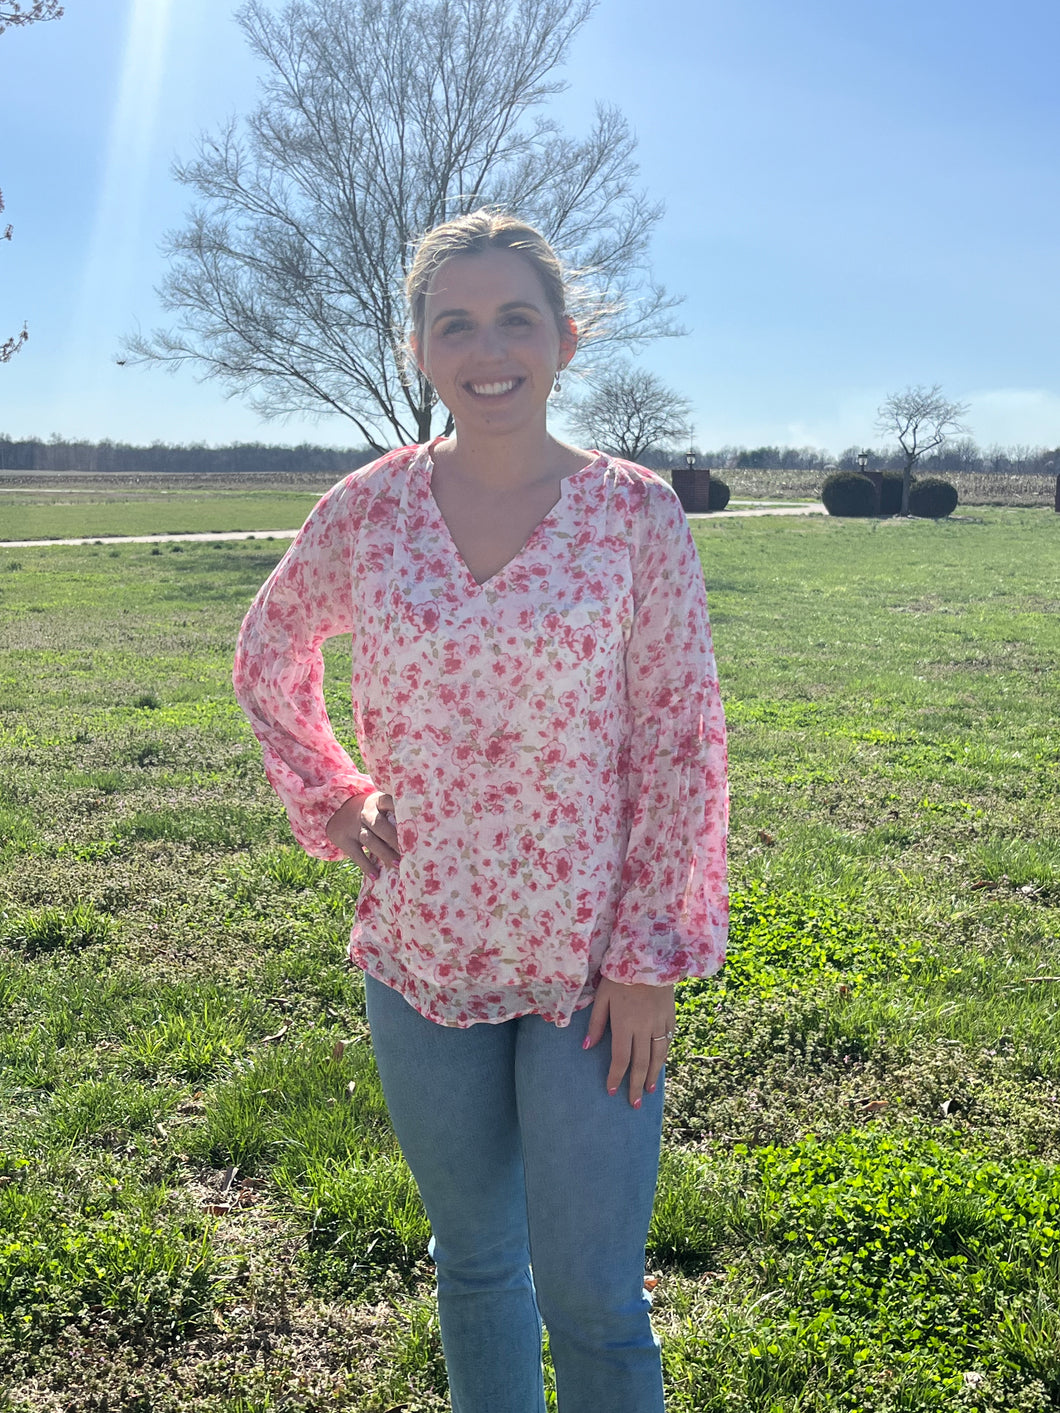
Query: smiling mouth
(493, 389)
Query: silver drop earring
(555, 385)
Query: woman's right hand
(365, 828)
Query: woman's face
(491, 345)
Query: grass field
(71, 505)
(201, 1203)
(171, 506)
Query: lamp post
(876, 477)
(692, 484)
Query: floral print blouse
(553, 738)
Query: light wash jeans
(521, 1156)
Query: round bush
(849, 493)
(932, 498)
(891, 496)
(719, 494)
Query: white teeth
(492, 389)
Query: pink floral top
(553, 738)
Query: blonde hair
(478, 231)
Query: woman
(541, 826)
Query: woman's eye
(517, 319)
(457, 326)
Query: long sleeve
(279, 671)
(672, 918)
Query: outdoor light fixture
(690, 458)
(863, 459)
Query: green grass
(202, 1205)
(29, 516)
(51, 929)
(107, 1253)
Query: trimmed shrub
(932, 498)
(891, 496)
(719, 494)
(849, 493)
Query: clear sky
(858, 197)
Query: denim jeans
(523, 1159)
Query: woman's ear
(568, 340)
(417, 352)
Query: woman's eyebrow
(504, 309)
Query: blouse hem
(558, 1018)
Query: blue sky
(858, 197)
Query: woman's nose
(491, 340)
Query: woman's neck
(508, 462)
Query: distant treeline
(55, 454)
(120, 457)
(961, 455)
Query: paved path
(808, 509)
(154, 539)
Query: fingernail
(636, 1103)
(651, 1088)
(586, 1043)
(613, 1091)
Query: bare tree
(10, 346)
(996, 457)
(1020, 457)
(961, 454)
(377, 122)
(629, 411)
(13, 14)
(921, 419)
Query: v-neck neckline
(486, 584)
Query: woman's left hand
(637, 1015)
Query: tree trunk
(907, 481)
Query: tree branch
(375, 123)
